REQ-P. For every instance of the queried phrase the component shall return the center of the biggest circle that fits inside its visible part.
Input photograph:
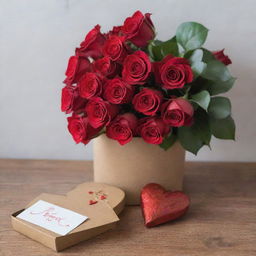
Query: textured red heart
(160, 206)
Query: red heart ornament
(160, 206)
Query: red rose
(122, 128)
(177, 112)
(77, 66)
(90, 85)
(153, 129)
(118, 92)
(92, 44)
(173, 72)
(219, 55)
(139, 29)
(80, 129)
(106, 67)
(100, 112)
(136, 68)
(115, 48)
(116, 30)
(147, 101)
(70, 99)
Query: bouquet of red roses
(128, 84)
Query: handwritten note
(52, 217)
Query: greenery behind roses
(212, 113)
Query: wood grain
(220, 222)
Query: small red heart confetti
(90, 192)
(102, 197)
(160, 206)
(93, 202)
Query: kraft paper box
(102, 215)
(137, 163)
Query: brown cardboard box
(137, 163)
(102, 215)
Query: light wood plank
(220, 222)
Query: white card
(52, 217)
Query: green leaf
(217, 87)
(195, 105)
(170, 47)
(199, 134)
(168, 142)
(191, 35)
(219, 107)
(190, 139)
(216, 71)
(152, 44)
(133, 46)
(223, 128)
(150, 50)
(202, 99)
(195, 60)
(196, 56)
(203, 126)
(198, 68)
(158, 50)
(207, 56)
(157, 42)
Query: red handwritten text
(51, 215)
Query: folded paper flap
(81, 193)
(92, 190)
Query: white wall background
(38, 36)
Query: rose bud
(122, 128)
(70, 99)
(136, 68)
(115, 48)
(173, 72)
(106, 67)
(147, 101)
(177, 112)
(77, 66)
(100, 112)
(80, 129)
(90, 85)
(92, 44)
(153, 129)
(220, 56)
(117, 91)
(139, 29)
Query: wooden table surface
(221, 220)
